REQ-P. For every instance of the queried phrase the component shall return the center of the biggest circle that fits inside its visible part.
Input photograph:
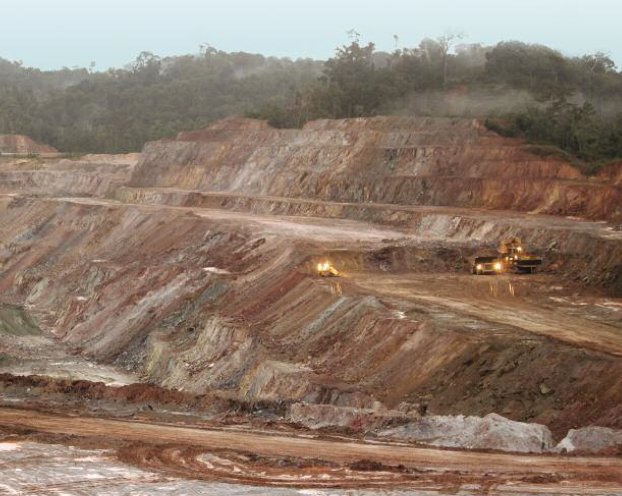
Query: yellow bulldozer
(511, 257)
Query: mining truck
(511, 257)
(326, 269)
(487, 265)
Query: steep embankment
(224, 298)
(408, 161)
(217, 301)
(90, 175)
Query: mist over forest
(571, 104)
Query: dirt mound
(87, 397)
(591, 440)
(396, 160)
(41, 387)
(16, 143)
(490, 432)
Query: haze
(53, 34)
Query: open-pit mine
(164, 328)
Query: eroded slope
(208, 300)
(409, 161)
(193, 271)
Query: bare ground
(259, 459)
(539, 312)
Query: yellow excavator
(511, 257)
(326, 269)
(514, 256)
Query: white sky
(55, 33)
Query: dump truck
(326, 269)
(487, 265)
(511, 257)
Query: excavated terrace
(191, 267)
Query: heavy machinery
(487, 265)
(511, 257)
(515, 257)
(326, 269)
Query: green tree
(350, 78)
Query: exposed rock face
(16, 143)
(409, 161)
(590, 439)
(218, 301)
(211, 299)
(320, 416)
(490, 432)
(90, 175)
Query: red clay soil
(256, 458)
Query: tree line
(525, 90)
(151, 98)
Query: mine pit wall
(91, 176)
(59, 183)
(589, 262)
(408, 161)
(129, 287)
(126, 286)
(583, 253)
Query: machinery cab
(487, 265)
(511, 249)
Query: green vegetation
(119, 110)
(576, 129)
(527, 91)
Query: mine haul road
(466, 295)
(270, 445)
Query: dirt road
(596, 468)
(474, 298)
(519, 302)
(334, 229)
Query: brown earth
(128, 284)
(260, 459)
(193, 269)
(396, 160)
